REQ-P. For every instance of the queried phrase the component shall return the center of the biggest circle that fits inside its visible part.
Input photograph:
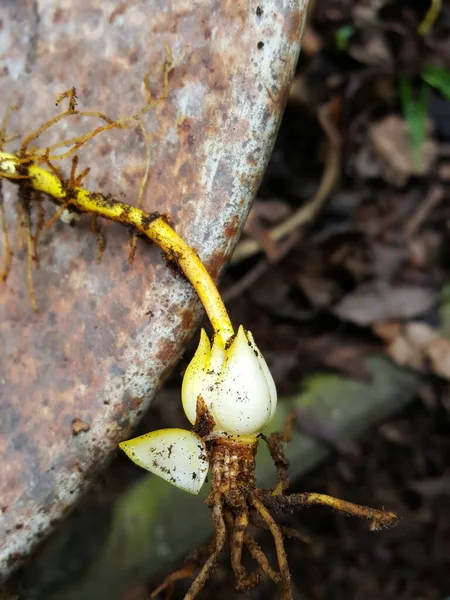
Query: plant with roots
(228, 393)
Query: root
(30, 259)
(25, 198)
(79, 179)
(277, 500)
(210, 565)
(286, 590)
(275, 443)
(36, 154)
(132, 247)
(291, 532)
(39, 227)
(168, 66)
(144, 179)
(192, 562)
(237, 528)
(23, 165)
(58, 213)
(378, 518)
(45, 154)
(73, 171)
(71, 95)
(4, 139)
(101, 241)
(70, 185)
(6, 243)
(74, 179)
(20, 226)
(143, 184)
(169, 582)
(77, 142)
(53, 168)
(258, 555)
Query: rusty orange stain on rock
(166, 350)
(187, 319)
(232, 227)
(78, 426)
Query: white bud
(234, 382)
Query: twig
(246, 281)
(306, 213)
(434, 196)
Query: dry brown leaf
(419, 346)
(320, 291)
(367, 164)
(372, 50)
(407, 354)
(365, 14)
(312, 42)
(444, 171)
(300, 92)
(389, 139)
(387, 331)
(139, 592)
(340, 353)
(272, 210)
(379, 301)
(432, 486)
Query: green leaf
(438, 78)
(343, 35)
(415, 112)
(430, 17)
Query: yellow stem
(154, 227)
(430, 17)
(175, 247)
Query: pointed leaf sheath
(246, 397)
(176, 455)
(202, 374)
(267, 374)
